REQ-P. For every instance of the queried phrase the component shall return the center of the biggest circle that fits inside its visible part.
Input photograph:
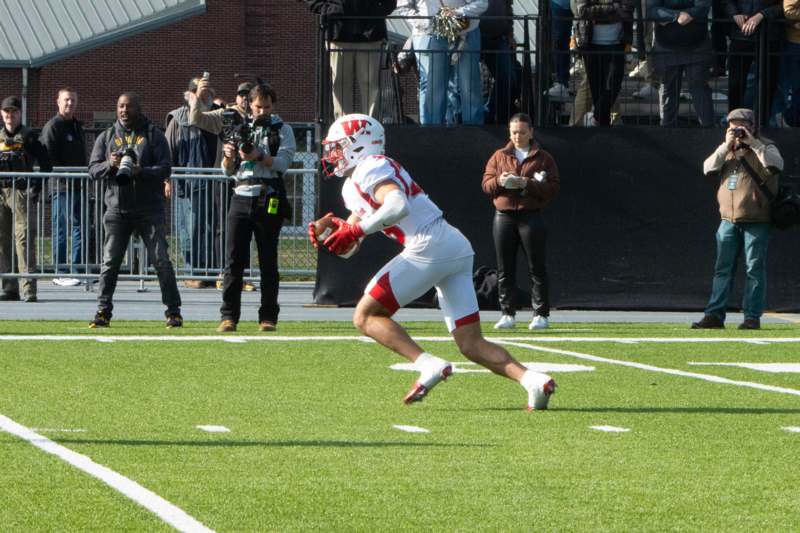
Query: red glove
(345, 236)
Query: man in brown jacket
(521, 179)
(737, 163)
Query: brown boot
(709, 322)
(266, 325)
(750, 323)
(226, 326)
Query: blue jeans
(433, 59)
(65, 216)
(561, 30)
(731, 239)
(792, 63)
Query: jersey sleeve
(374, 171)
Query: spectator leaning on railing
(451, 48)
(497, 52)
(682, 44)
(132, 159)
(19, 148)
(65, 141)
(355, 46)
(742, 161)
(602, 30)
(750, 17)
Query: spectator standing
(65, 141)
(355, 46)
(437, 56)
(791, 10)
(19, 148)
(748, 16)
(682, 44)
(737, 163)
(191, 146)
(133, 161)
(521, 179)
(257, 210)
(602, 30)
(497, 52)
(561, 31)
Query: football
(322, 228)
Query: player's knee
(360, 320)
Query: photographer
(19, 148)
(735, 166)
(132, 160)
(521, 179)
(256, 154)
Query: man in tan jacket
(737, 163)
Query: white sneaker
(647, 92)
(540, 387)
(558, 90)
(66, 282)
(539, 322)
(718, 97)
(780, 121)
(686, 95)
(506, 322)
(432, 370)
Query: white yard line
(610, 429)
(411, 429)
(285, 338)
(651, 368)
(154, 503)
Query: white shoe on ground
(506, 322)
(539, 387)
(558, 90)
(539, 322)
(432, 370)
(66, 282)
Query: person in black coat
(354, 46)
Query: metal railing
(59, 231)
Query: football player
(382, 197)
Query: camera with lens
(739, 133)
(240, 131)
(126, 164)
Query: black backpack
(485, 282)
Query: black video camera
(739, 133)
(240, 131)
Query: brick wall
(279, 45)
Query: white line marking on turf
(651, 368)
(104, 340)
(791, 429)
(458, 367)
(411, 429)
(759, 342)
(214, 429)
(772, 368)
(610, 429)
(154, 503)
(287, 338)
(236, 340)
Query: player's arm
(393, 208)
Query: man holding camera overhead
(131, 159)
(256, 153)
(740, 163)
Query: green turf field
(312, 444)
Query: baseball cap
(11, 101)
(742, 114)
(244, 87)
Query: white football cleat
(540, 387)
(539, 322)
(432, 370)
(506, 322)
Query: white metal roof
(36, 32)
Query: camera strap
(762, 184)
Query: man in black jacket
(133, 161)
(19, 148)
(354, 46)
(66, 144)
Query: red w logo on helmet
(353, 126)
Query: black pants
(510, 230)
(248, 217)
(150, 226)
(742, 55)
(605, 68)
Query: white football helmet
(350, 139)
